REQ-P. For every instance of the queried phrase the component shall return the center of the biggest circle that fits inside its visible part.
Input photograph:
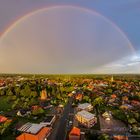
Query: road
(61, 132)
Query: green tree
(86, 98)
(131, 120)
(9, 92)
(2, 92)
(38, 111)
(98, 101)
(17, 91)
(104, 137)
(109, 91)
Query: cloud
(129, 64)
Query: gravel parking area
(112, 126)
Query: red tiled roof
(113, 96)
(3, 119)
(135, 102)
(120, 138)
(35, 107)
(75, 131)
(39, 136)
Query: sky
(73, 36)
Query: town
(69, 107)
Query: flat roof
(87, 115)
(84, 105)
(31, 128)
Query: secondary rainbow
(13, 25)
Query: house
(70, 94)
(135, 103)
(73, 92)
(34, 132)
(23, 113)
(126, 106)
(125, 98)
(79, 96)
(3, 119)
(74, 134)
(2, 83)
(107, 116)
(49, 120)
(120, 137)
(87, 119)
(85, 106)
(35, 107)
(113, 96)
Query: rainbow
(19, 20)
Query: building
(70, 94)
(79, 96)
(107, 116)
(3, 119)
(74, 134)
(113, 96)
(34, 132)
(112, 79)
(23, 113)
(85, 106)
(49, 120)
(126, 107)
(36, 107)
(135, 103)
(43, 95)
(87, 119)
(119, 137)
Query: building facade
(85, 118)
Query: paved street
(54, 130)
(61, 131)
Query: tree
(26, 92)
(109, 91)
(98, 101)
(86, 98)
(132, 120)
(25, 105)
(14, 98)
(16, 102)
(17, 91)
(104, 137)
(9, 92)
(33, 94)
(4, 127)
(38, 111)
(2, 92)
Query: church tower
(43, 95)
(112, 79)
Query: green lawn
(4, 104)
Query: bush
(38, 111)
